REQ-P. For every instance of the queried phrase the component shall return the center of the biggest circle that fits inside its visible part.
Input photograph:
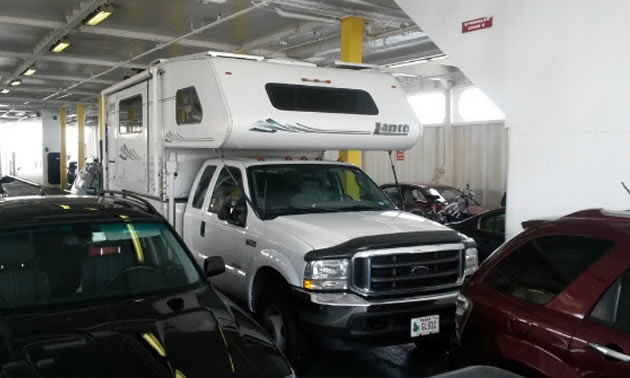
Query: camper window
(187, 106)
(130, 115)
(306, 98)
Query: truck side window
(130, 115)
(202, 186)
(187, 106)
(226, 189)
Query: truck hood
(331, 229)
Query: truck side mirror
(213, 266)
(233, 214)
(6, 180)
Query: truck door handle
(609, 353)
(202, 229)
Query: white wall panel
(479, 159)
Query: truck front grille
(420, 269)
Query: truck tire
(278, 316)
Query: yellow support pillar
(351, 52)
(62, 149)
(81, 135)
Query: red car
(554, 301)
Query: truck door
(225, 232)
(128, 140)
(194, 228)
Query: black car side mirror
(6, 180)
(213, 266)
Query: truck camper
(230, 149)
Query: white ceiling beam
(158, 38)
(74, 18)
(31, 22)
(26, 89)
(19, 101)
(117, 33)
(74, 59)
(67, 78)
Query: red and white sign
(400, 155)
(476, 24)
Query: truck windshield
(290, 189)
(84, 263)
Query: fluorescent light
(16, 82)
(29, 72)
(60, 46)
(5, 91)
(100, 15)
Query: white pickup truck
(232, 156)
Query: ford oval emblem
(419, 270)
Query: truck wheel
(278, 317)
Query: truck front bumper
(342, 321)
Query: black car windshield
(289, 189)
(84, 263)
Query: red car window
(613, 308)
(542, 268)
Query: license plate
(426, 325)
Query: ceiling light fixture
(16, 82)
(5, 91)
(100, 15)
(29, 72)
(60, 46)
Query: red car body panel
(551, 340)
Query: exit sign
(476, 24)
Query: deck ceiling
(299, 29)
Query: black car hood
(195, 334)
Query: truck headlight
(472, 261)
(326, 275)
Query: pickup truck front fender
(270, 261)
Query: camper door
(128, 139)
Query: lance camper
(230, 149)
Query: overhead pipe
(390, 33)
(158, 48)
(300, 16)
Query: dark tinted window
(494, 223)
(202, 186)
(226, 189)
(303, 98)
(542, 268)
(187, 106)
(130, 115)
(613, 307)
